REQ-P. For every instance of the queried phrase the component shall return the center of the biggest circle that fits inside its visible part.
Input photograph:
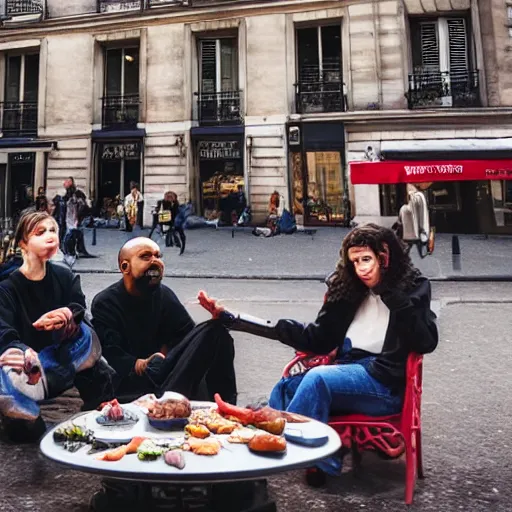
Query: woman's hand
(13, 357)
(210, 304)
(54, 320)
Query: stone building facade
(209, 97)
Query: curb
(303, 277)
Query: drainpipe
(378, 64)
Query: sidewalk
(214, 253)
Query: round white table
(235, 462)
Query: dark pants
(198, 367)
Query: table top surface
(234, 462)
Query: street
(466, 408)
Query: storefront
(219, 172)
(118, 163)
(318, 184)
(464, 196)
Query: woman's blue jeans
(336, 389)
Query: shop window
(502, 202)
(324, 186)
(19, 108)
(319, 85)
(121, 97)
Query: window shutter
(429, 46)
(208, 65)
(457, 38)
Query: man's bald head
(140, 262)
(134, 245)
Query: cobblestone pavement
(215, 253)
(467, 414)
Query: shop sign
(422, 171)
(22, 158)
(119, 5)
(128, 151)
(219, 149)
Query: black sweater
(131, 328)
(22, 302)
(411, 328)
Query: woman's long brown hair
(401, 274)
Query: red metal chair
(390, 435)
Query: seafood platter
(173, 436)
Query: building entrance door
(21, 182)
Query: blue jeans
(337, 389)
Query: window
(319, 54)
(443, 71)
(319, 75)
(218, 65)
(121, 97)
(219, 99)
(21, 92)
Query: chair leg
(410, 470)
(419, 455)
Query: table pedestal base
(249, 496)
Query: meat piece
(209, 446)
(267, 443)
(241, 435)
(175, 458)
(199, 431)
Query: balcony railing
(19, 119)
(220, 108)
(444, 89)
(120, 112)
(24, 10)
(120, 5)
(320, 96)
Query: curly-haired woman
(376, 312)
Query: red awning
(373, 173)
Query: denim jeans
(336, 389)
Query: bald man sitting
(149, 338)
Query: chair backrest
(411, 411)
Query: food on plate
(101, 446)
(148, 450)
(242, 435)
(213, 421)
(73, 433)
(175, 458)
(170, 408)
(267, 443)
(210, 446)
(196, 430)
(266, 418)
(112, 414)
(170, 443)
(119, 452)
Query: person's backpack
(286, 223)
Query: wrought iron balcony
(19, 119)
(220, 108)
(320, 96)
(120, 112)
(444, 89)
(17, 8)
(120, 5)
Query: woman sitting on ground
(46, 347)
(376, 312)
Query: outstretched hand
(210, 304)
(54, 320)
